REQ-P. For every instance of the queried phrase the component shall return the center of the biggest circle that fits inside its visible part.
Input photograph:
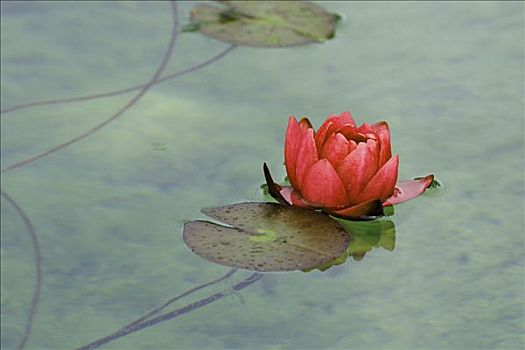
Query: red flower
(345, 170)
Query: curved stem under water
(121, 91)
(254, 277)
(135, 99)
(38, 267)
(180, 296)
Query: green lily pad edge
(264, 23)
(267, 237)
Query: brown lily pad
(265, 23)
(267, 237)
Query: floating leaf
(366, 235)
(265, 23)
(370, 234)
(267, 237)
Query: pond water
(109, 209)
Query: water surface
(447, 76)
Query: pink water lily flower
(342, 169)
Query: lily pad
(366, 235)
(267, 237)
(369, 235)
(265, 23)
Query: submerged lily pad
(366, 235)
(265, 23)
(267, 237)
(369, 235)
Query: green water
(447, 76)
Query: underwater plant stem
(122, 91)
(254, 277)
(38, 267)
(143, 90)
(180, 296)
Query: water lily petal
(305, 124)
(352, 145)
(356, 169)
(322, 132)
(292, 143)
(380, 126)
(293, 197)
(383, 134)
(286, 195)
(297, 199)
(335, 149)
(370, 208)
(323, 187)
(331, 125)
(382, 184)
(374, 148)
(408, 189)
(351, 133)
(365, 128)
(345, 119)
(306, 157)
